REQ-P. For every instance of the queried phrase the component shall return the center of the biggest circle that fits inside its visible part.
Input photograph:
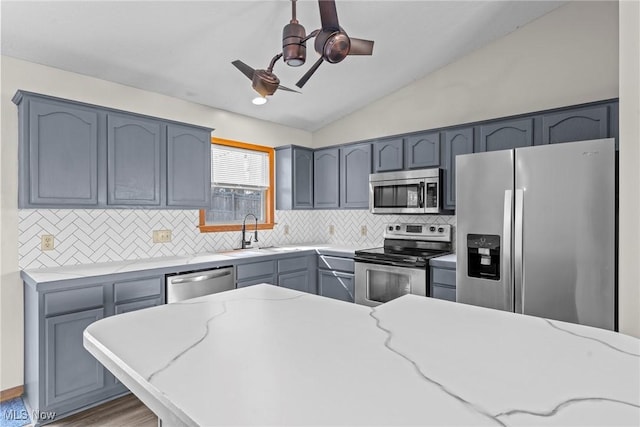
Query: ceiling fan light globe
(259, 100)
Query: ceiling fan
(332, 42)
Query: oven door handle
(389, 263)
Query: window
(241, 183)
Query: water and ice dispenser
(483, 256)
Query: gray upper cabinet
(388, 155)
(506, 135)
(294, 178)
(355, 167)
(59, 154)
(457, 141)
(576, 125)
(76, 155)
(326, 178)
(133, 161)
(188, 167)
(422, 150)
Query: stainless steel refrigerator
(536, 231)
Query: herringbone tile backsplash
(93, 235)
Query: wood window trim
(269, 223)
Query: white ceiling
(184, 48)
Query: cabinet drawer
(73, 300)
(336, 263)
(140, 288)
(293, 264)
(444, 292)
(264, 268)
(137, 305)
(257, 280)
(444, 276)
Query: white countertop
(54, 274)
(272, 356)
(449, 259)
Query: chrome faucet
(247, 243)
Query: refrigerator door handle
(518, 264)
(506, 244)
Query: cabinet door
(423, 150)
(459, 141)
(70, 371)
(188, 167)
(506, 135)
(302, 178)
(62, 155)
(335, 285)
(355, 167)
(326, 178)
(298, 280)
(133, 161)
(388, 155)
(577, 125)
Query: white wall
(32, 77)
(566, 57)
(629, 267)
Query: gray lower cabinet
(422, 150)
(255, 272)
(294, 178)
(76, 155)
(443, 283)
(355, 167)
(336, 277)
(298, 273)
(506, 135)
(133, 161)
(576, 125)
(388, 155)
(58, 154)
(60, 375)
(326, 178)
(457, 141)
(188, 167)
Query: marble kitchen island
(265, 355)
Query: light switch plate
(161, 236)
(47, 242)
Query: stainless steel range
(401, 266)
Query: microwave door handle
(421, 195)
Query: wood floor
(124, 411)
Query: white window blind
(237, 167)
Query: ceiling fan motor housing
(264, 82)
(294, 51)
(334, 46)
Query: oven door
(405, 196)
(378, 283)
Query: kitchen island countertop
(272, 356)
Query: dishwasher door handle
(201, 277)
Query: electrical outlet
(47, 242)
(332, 230)
(161, 236)
(363, 230)
(286, 229)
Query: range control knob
(432, 229)
(390, 228)
(397, 228)
(440, 230)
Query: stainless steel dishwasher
(192, 284)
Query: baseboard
(11, 393)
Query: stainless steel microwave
(406, 192)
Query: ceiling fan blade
(309, 73)
(244, 68)
(287, 89)
(360, 47)
(328, 15)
